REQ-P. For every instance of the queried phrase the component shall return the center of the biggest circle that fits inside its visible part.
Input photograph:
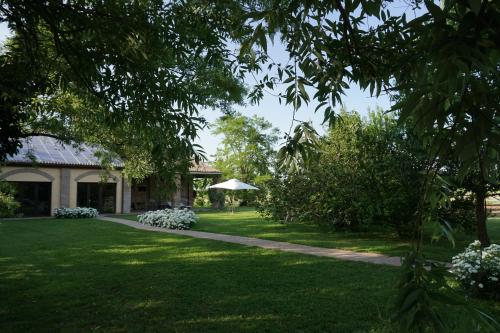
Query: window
(101, 196)
(34, 198)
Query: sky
(279, 115)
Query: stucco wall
(28, 174)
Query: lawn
(90, 275)
(249, 223)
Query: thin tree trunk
(482, 232)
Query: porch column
(126, 196)
(64, 187)
(177, 196)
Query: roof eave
(57, 165)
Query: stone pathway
(372, 258)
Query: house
(48, 174)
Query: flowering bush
(479, 270)
(8, 205)
(169, 218)
(75, 213)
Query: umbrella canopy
(234, 184)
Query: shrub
(76, 213)
(459, 213)
(8, 204)
(286, 198)
(478, 270)
(169, 218)
(368, 174)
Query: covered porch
(146, 195)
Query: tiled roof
(49, 151)
(201, 168)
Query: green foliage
(246, 151)
(443, 63)
(8, 204)
(372, 171)
(202, 198)
(420, 287)
(128, 76)
(459, 211)
(445, 75)
(426, 303)
(286, 198)
(369, 173)
(300, 150)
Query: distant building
(48, 175)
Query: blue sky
(269, 108)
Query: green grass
(90, 275)
(249, 223)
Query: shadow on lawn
(106, 277)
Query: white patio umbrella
(234, 185)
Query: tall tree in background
(247, 149)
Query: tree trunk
(482, 232)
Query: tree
(446, 63)
(128, 76)
(368, 173)
(247, 149)
(428, 57)
(443, 65)
(479, 188)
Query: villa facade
(49, 175)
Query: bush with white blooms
(169, 218)
(76, 213)
(478, 270)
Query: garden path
(372, 258)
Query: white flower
(169, 218)
(474, 263)
(78, 212)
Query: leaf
(320, 105)
(435, 10)
(411, 300)
(475, 6)
(372, 8)
(447, 230)
(488, 320)
(303, 92)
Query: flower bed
(75, 213)
(169, 218)
(479, 270)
